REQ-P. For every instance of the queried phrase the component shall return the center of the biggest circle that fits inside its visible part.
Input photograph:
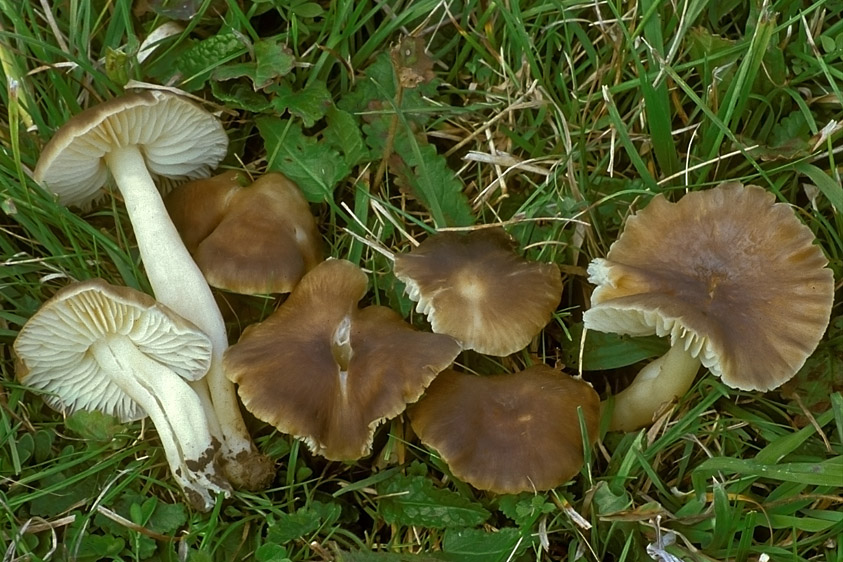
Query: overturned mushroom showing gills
(259, 238)
(731, 276)
(508, 433)
(133, 138)
(95, 346)
(475, 288)
(327, 372)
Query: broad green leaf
(602, 351)
(314, 166)
(98, 547)
(414, 500)
(310, 103)
(343, 133)
(167, 517)
(271, 553)
(239, 95)
(197, 63)
(272, 60)
(470, 545)
(307, 520)
(434, 184)
(93, 425)
(525, 509)
(307, 10)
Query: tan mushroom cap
(475, 288)
(180, 141)
(196, 207)
(728, 273)
(261, 238)
(53, 347)
(508, 433)
(328, 373)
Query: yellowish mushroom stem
(663, 380)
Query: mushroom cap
(179, 140)
(266, 241)
(196, 207)
(728, 273)
(474, 287)
(507, 433)
(328, 373)
(256, 239)
(53, 355)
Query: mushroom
(134, 137)
(329, 373)
(508, 433)
(95, 346)
(730, 275)
(256, 239)
(475, 288)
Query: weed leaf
(413, 500)
(315, 167)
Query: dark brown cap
(328, 373)
(727, 273)
(508, 433)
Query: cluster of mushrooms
(328, 372)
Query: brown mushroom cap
(257, 239)
(507, 433)
(328, 373)
(474, 287)
(728, 273)
(197, 207)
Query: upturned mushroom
(95, 346)
(249, 239)
(329, 373)
(133, 138)
(508, 433)
(730, 276)
(474, 287)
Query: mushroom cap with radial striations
(265, 242)
(329, 373)
(474, 287)
(53, 347)
(728, 273)
(508, 433)
(178, 139)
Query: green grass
(609, 102)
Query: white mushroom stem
(179, 284)
(663, 380)
(176, 412)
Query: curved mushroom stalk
(179, 284)
(663, 380)
(176, 412)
